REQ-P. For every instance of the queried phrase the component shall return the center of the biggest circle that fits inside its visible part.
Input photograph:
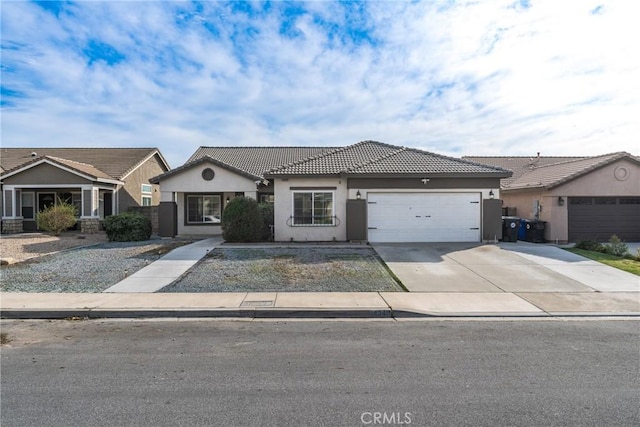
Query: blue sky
(457, 78)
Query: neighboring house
(98, 181)
(580, 198)
(368, 191)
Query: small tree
(241, 221)
(57, 217)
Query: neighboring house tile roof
(114, 163)
(519, 165)
(376, 158)
(553, 175)
(256, 160)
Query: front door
(45, 200)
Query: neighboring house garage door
(423, 217)
(598, 218)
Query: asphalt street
(324, 373)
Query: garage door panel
(424, 217)
(598, 219)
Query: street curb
(280, 313)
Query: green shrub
(590, 245)
(267, 214)
(57, 218)
(241, 221)
(127, 227)
(616, 247)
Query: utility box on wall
(356, 220)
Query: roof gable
(116, 163)
(255, 161)
(201, 160)
(554, 175)
(83, 170)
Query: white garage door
(423, 217)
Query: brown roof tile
(376, 158)
(116, 163)
(553, 175)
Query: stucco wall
(225, 182)
(603, 182)
(284, 210)
(131, 193)
(45, 174)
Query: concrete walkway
(167, 269)
(445, 280)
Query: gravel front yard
(287, 270)
(85, 269)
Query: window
(27, 202)
(313, 208)
(267, 198)
(147, 191)
(204, 209)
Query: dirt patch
(21, 247)
(287, 270)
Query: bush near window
(267, 214)
(57, 218)
(241, 221)
(127, 227)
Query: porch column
(11, 214)
(89, 218)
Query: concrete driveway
(506, 267)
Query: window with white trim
(313, 208)
(204, 209)
(147, 191)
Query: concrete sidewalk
(317, 305)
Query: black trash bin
(534, 230)
(510, 227)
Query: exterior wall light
(491, 195)
(560, 201)
(227, 201)
(358, 195)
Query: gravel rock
(85, 269)
(287, 270)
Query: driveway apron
(468, 267)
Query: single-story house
(369, 191)
(98, 181)
(580, 198)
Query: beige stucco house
(98, 181)
(580, 198)
(367, 191)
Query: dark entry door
(45, 200)
(108, 204)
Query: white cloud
(476, 78)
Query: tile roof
(519, 165)
(376, 158)
(553, 175)
(256, 160)
(116, 163)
